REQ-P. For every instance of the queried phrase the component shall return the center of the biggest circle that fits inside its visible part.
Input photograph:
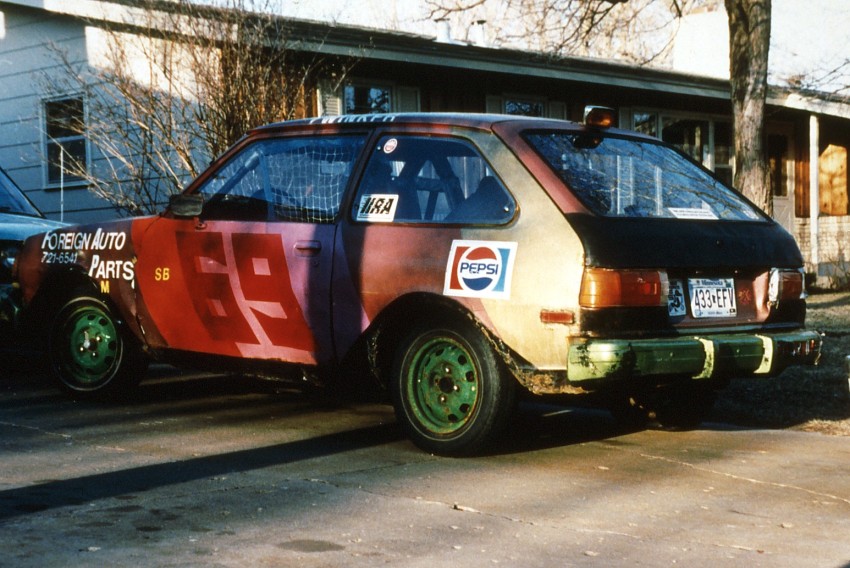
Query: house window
(522, 105)
(777, 164)
(525, 107)
(366, 99)
(707, 141)
(66, 150)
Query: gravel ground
(803, 398)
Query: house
(808, 133)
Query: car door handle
(308, 248)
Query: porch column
(814, 191)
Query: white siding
(26, 62)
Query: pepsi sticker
(480, 269)
(390, 146)
(378, 208)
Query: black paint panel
(677, 243)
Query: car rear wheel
(685, 407)
(675, 407)
(451, 394)
(629, 413)
(90, 352)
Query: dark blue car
(19, 219)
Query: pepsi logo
(480, 269)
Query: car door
(251, 276)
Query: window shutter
(494, 104)
(558, 109)
(330, 101)
(406, 99)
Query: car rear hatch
(688, 276)
(669, 249)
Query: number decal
(242, 290)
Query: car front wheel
(90, 354)
(451, 393)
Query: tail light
(607, 288)
(785, 284)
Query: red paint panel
(264, 277)
(228, 289)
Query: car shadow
(89, 488)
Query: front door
(258, 290)
(251, 276)
(781, 165)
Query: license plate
(712, 297)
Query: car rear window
(625, 177)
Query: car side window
(283, 179)
(418, 179)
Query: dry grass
(814, 399)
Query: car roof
(472, 120)
(480, 121)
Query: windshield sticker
(377, 207)
(480, 269)
(390, 146)
(692, 213)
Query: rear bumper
(700, 357)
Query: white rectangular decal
(692, 213)
(480, 269)
(377, 208)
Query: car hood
(19, 227)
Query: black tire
(90, 351)
(452, 396)
(684, 407)
(629, 413)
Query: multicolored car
(461, 259)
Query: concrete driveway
(213, 471)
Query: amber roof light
(598, 116)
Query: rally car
(461, 258)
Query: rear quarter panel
(547, 271)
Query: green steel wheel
(90, 353)
(451, 394)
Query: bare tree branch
(163, 101)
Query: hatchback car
(19, 219)
(462, 258)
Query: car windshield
(625, 177)
(12, 200)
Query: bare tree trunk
(749, 43)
